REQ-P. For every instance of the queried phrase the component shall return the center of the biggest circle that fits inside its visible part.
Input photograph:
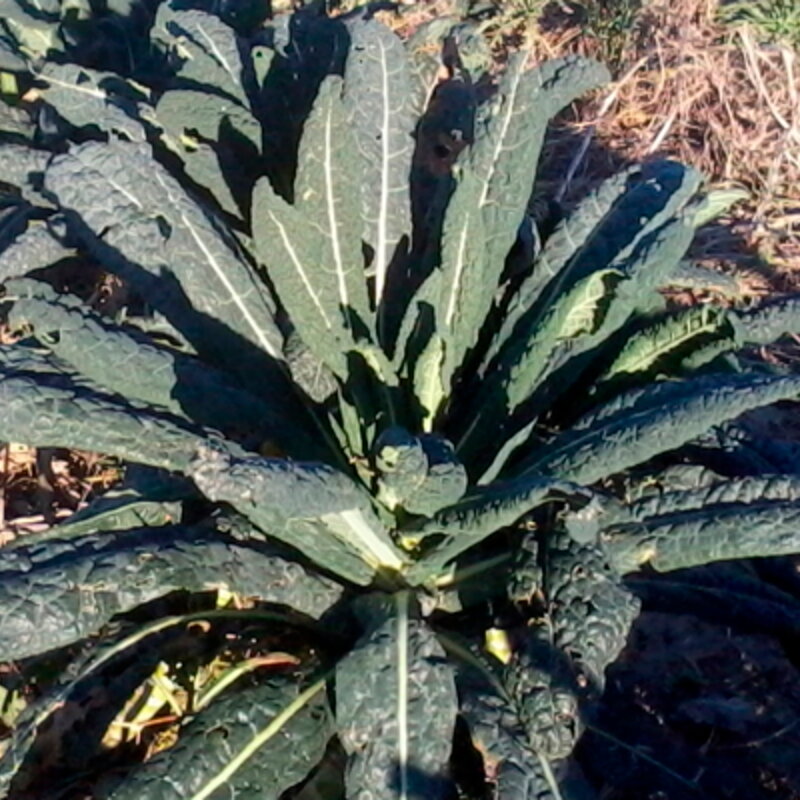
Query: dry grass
(712, 96)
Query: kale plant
(410, 432)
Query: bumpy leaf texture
(250, 745)
(518, 772)
(204, 48)
(750, 489)
(701, 536)
(60, 591)
(37, 247)
(494, 183)
(591, 610)
(116, 510)
(327, 195)
(396, 706)
(149, 222)
(130, 364)
(86, 97)
(312, 507)
(633, 429)
(68, 415)
(378, 97)
(484, 511)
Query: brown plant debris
(711, 95)
(41, 487)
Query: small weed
(533, 8)
(610, 23)
(778, 20)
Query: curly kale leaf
(310, 506)
(256, 743)
(396, 706)
(60, 591)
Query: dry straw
(716, 96)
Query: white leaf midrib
(229, 288)
(333, 221)
(355, 530)
(459, 270)
(381, 257)
(499, 145)
(100, 94)
(299, 269)
(483, 199)
(402, 691)
(217, 53)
